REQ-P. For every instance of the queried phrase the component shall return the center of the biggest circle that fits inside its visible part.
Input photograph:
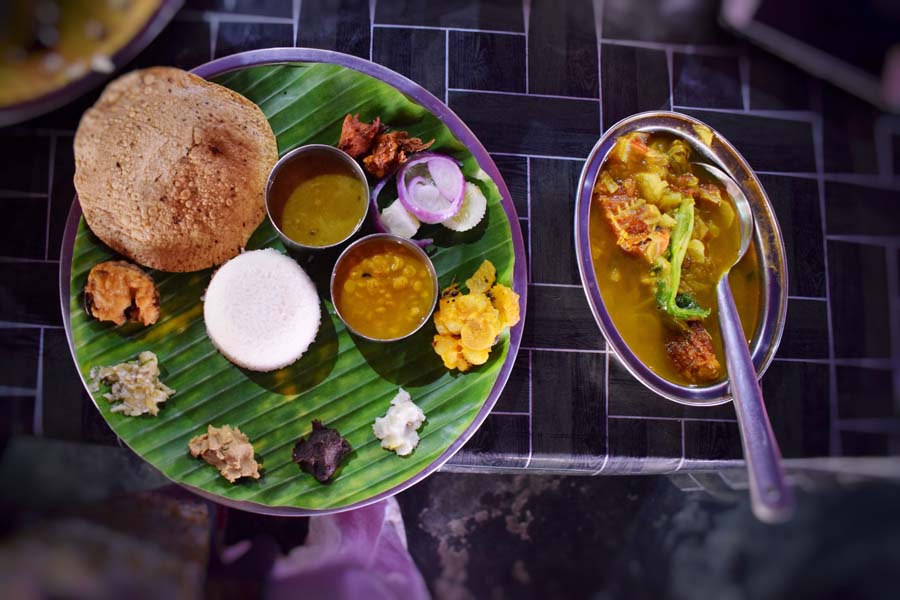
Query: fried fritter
(392, 150)
(119, 291)
(506, 302)
(482, 280)
(468, 325)
(357, 136)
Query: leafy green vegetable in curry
(661, 239)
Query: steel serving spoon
(771, 499)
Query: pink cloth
(356, 554)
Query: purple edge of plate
(29, 109)
(462, 133)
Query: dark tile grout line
(886, 127)
(861, 179)
(20, 260)
(25, 325)
(530, 408)
(38, 414)
(784, 115)
(697, 49)
(680, 464)
(296, 7)
(889, 426)
(888, 241)
(606, 408)
(17, 195)
(891, 266)
(372, 7)
(213, 37)
(19, 129)
(528, 205)
(569, 350)
(744, 70)
(196, 16)
(447, 67)
(880, 364)
(542, 156)
(670, 70)
(557, 285)
(530, 278)
(17, 391)
(50, 173)
(526, 20)
(681, 419)
(834, 438)
(440, 28)
(525, 94)
(598, 34)
(605, 414)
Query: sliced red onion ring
(435, 200)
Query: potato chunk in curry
(661, 238)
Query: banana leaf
(342, 380)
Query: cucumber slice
(474, 205)
(399, 221)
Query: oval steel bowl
(767, 240)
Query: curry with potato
(661, 239)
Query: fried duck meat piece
(635, 224)
(357, 137)
(392, 150)
(321, 452)
(118, 291)
(692, 353)
(227, 449)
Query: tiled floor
(538, 82)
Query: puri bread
(171, 169)
(261, 310)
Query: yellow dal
(383, 290)
(324, 201)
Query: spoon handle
(771, 498)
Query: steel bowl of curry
(384, 287)
(317, 197)
(653, 236)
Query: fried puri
(171, 169)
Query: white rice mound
(261, 310)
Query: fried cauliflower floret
(475, 357)
(482, 280)
(450, 350)
(455, 309)
(480, 332)
(469, 325)
(506, 302)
